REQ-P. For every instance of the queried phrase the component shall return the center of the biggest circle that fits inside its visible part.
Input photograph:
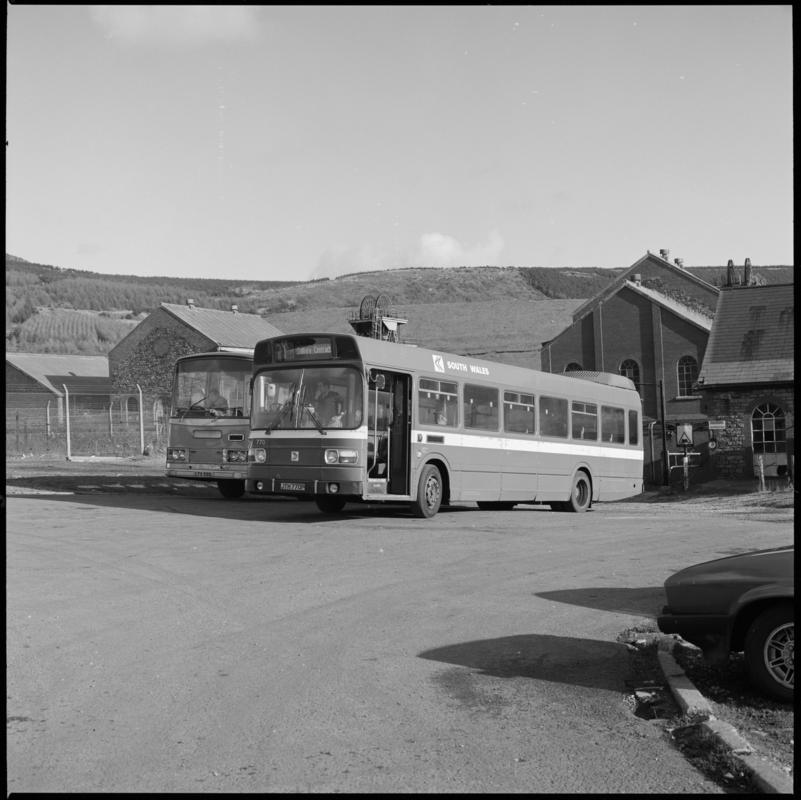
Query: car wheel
(769, 656)
(231, 490)
(581, 494)
(330, 504)
(429, 492)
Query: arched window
(768, 429)
(631, 369)
(687, 370)
(573, 367)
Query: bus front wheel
(429, 492)
(581, 494)
(329, 504)
(231, 490)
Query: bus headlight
(341, 456)
(257, 455)
(176, 454)
(235, 456)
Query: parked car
(739, 603)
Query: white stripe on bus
(563, 447)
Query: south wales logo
(439, 364)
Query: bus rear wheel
(581, 494)
(329, 504)
(231, 490)
(429, 492)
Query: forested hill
(65, 310)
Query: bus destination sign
(306, 347)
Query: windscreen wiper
(315, 419)
(280, 414)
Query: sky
(263, 142)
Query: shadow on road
(561, 659)
(197, 499)
(641, 601)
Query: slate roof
(225, 328)
(752, 337)
(80, 374)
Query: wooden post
(686, 464)
(47, 420)
(16, 429)
(110, 421)
(761, 463)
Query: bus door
(389, 419)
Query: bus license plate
(286, 486)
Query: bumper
(710, 632)
(302, 489)
(208, 474)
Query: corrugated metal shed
(225, 328)
(752, 339)
(80, 374)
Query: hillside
(63, 310)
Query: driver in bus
(216, 403)
(325, 400)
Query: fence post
(47, 420)
(141, 422)
(67, 410)
(761, 473)
(16, 430)
(110, 421)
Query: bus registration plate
(287, 486)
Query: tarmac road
(169, 643)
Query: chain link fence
(86, 426)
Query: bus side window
(518, 413)
(634, 428)
(553, 416)
(584, 420)
(481, 407)
(613, 425)
(437, 402)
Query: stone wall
(734, 456)
(147, 356)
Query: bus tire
(580, 494)
(429, 492)
(330, 504)
(495, 505)
(231, 490)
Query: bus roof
(394, 355)
(236, 353)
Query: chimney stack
(190, 302)
(679, 262)
(731, 277)
(235, 308)
(747, 273)
(665, 254)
